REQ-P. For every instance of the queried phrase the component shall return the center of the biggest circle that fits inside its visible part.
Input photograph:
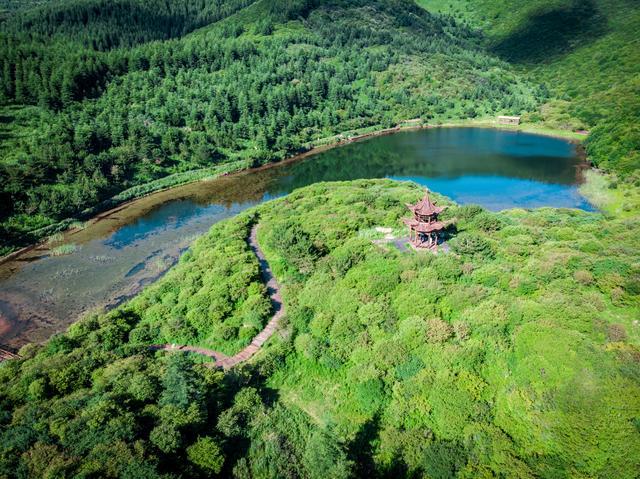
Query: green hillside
(107, 108)
(513, 355)
(513, 352)
(100, 25)
(587, 54)
(9, 7)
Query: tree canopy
(113, 96)
(512, 355)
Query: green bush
(487, 222)
(386, 362)
(467, 212)
(470, 244)
(206, 454)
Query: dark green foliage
(284, 443)
(103, 25)
(116, 110)
(552, 32)
(388, 363)
(487, 222)
(443, 459)
(466, 212)
(291, 241)
(180, 387)
(409, 368)
(206, 454)
(100, 414)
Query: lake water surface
(134, 245)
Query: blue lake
(133, 246)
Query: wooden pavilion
(424, 228)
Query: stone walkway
(273, 289)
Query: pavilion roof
(422, 227)
(426, 207)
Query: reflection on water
(132, 246)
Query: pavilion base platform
(436, 247)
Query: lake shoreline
(341, 139)
(130, 246)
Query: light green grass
(64, 249)
(610, 195)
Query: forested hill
(104, 24)
(98, 96)
(586, 52)
(85, 119)
(515, 355)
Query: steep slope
(588, 55)
(102, 25)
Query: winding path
(273, 289)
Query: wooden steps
(6, 355)
(273, 289)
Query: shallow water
(134, 245)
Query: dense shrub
(486, 221)
(469, 244)
(292, 242)
(467, 212)
(438, 331)
(206, 454)
(387, 363)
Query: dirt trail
(273, 289)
